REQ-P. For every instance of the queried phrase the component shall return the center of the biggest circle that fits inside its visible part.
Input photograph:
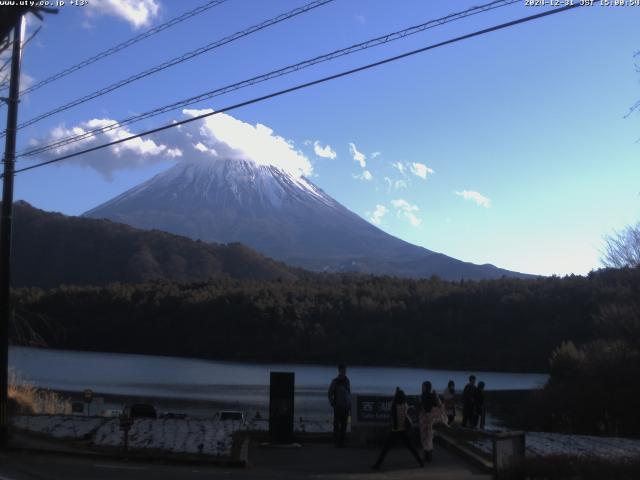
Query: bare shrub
(25, 398)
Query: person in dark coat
(340, 400)
(480, 413)
(469, 402)
(400, 428)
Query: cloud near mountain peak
(219, 136)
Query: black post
(281, 405)
(5, 229)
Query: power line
(8, 61)
(307, 84)
(24, 44)
(273, 74)
(177, 60)
(127, 43)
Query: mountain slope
(280, 215)
(50, 249)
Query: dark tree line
(593, 386)
(506, 324)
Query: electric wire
(6, 63)
(270, 75)
(121, 46)
(177, 60)
(306, 85)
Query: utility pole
(5, 228)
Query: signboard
(376, 409)
(88, 395)
(372, 409)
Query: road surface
(311, 461)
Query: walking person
(469, 402)
(430, 413)
(449, 399)
(480, 412)
(340, 400)
(400, 428)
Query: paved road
(315, 461)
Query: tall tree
(622, 249)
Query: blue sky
(514, 146)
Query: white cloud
(375, 155)
(357, 156)
(420, 170)
(399, 166)
(174, 153)
(324, 152)
(26, 81)
(235, 139)
(218, 136)
(378, 214)
(365, 176)
(476, 197)
(407, 211)
(201, 147)
(133, 153)
(402, 204)
(394, 184)
(138, 13)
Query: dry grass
(25, 398)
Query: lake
(190, 383)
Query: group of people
(473, 409)
(432, 409)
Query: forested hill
(506, 324)
(51, 249)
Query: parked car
(140, 410)
(112, 413)
(168, 415)
(229, 415)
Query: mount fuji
(281, 215)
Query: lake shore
(245, 360)
(201, 386)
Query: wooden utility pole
(5, 228)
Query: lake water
(227, 384)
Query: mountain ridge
(282, 216)
(51, 249)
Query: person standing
(449, 399)
(469, 402)
(430, 413)
(400, 428)
(480, 412)
(340, 400)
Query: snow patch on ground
(540, 444)
(209, 437)
(190, 435)
(59, 426)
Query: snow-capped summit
(280, 214)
